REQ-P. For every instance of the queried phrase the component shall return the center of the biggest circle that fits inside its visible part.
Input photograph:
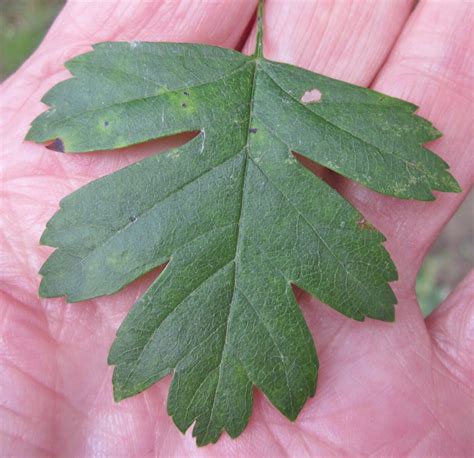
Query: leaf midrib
(238, 239)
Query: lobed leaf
(238, 219)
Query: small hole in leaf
(253, 130)
(312, 96)
(133, 219)
(186, 93)
(183, 105)
(106, 123)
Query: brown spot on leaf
(312, 96)
(57, 145)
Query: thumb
(451, 328)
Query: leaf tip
(452, 185)
(42, 290)
(389, 315)
(45, 291)
(292, 416)
(30, 134)
(119, 393)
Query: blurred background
(23, 23)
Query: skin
(384, 389)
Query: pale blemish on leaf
(312, 96)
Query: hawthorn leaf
(237, 217)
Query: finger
(25, 378)
(451, 328)
(214, 23)
(346, 40)
(431, 67)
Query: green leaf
(236, 216)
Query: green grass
(449, 260)
(23, 24)
(428, 290)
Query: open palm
(387, 389)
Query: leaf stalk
(259, 45)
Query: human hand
(402, 388)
